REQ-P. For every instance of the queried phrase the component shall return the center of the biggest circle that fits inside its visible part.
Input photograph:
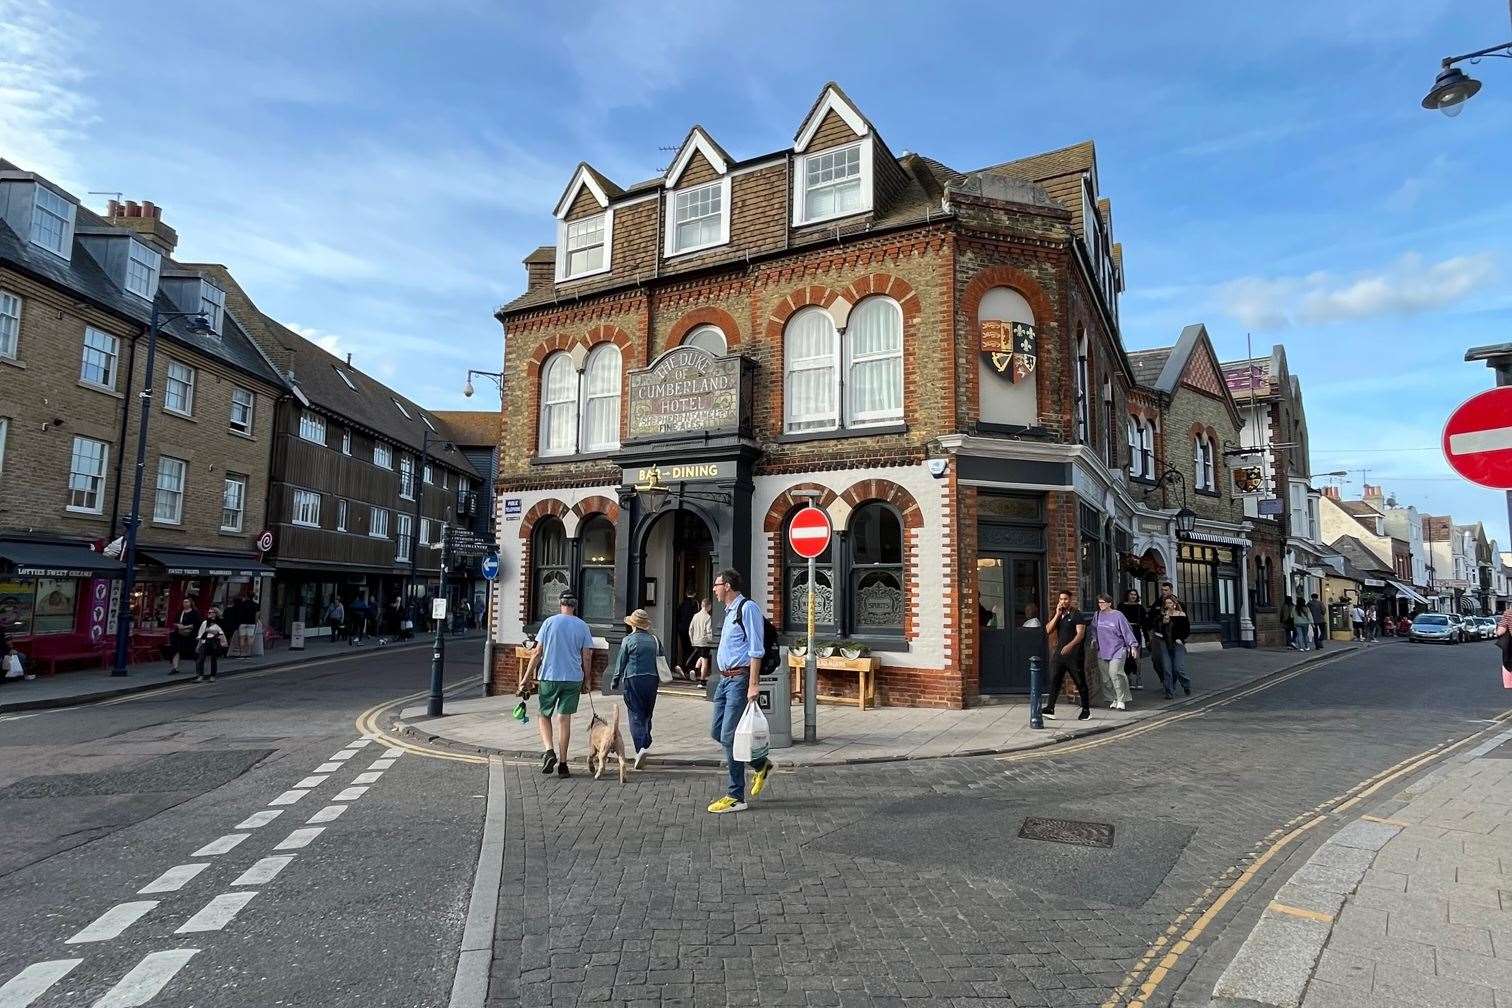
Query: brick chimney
(1373, 493)
(146, 219)
(1331, 492)
(540, 268)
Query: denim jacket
(637, 656)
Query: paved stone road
(907, 883)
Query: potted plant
(853, 649)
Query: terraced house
(933, 354)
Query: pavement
(680, 733)
(1408, 905)
(89, 685)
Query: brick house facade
(932, 355)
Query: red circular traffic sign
(809, 532)
(1478, 439)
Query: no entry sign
(1478, 439)
(809, 532)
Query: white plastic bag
(751, 735)
(13, 667)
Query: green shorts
(559, 697)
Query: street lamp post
(1453, 87)
(497, 377)
(133, 520)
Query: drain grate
(1068, 831)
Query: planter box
(865, 670)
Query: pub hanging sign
(688, 390)
(1010, 348)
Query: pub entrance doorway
(679, 563)
(1009, 594)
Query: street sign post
(489, 568)
(809, 534)
(1478, 439)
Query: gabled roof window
(833, 183)
(52, 221)
(699, 217)
(583, 246)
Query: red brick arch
(1044, 321)
(716, 317)
(596, 505)
(888, 491)
(788, 500)
(564, 341)
(541, 509)
(886, 284)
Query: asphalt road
(910, 883)
(349, 897)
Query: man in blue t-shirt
(566, 653)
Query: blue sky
(374, 172)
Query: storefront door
(1009, 592)
(1228, 607)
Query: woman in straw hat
(635, 671)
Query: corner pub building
(934, 354)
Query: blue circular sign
(490, 567)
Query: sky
(374, 173)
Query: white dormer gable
(698, 142)
(584, 176)
(832, 100)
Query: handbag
(13, 667)
(663, 667)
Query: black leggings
(1059, 665)
(212, 653)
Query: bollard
(1036, 688)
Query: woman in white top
(701, 639)
(210, 642)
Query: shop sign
(99, 609)
(682, 472)
(53, 572)
(202, 572)
(115, 605)
(265, 541)
(687, 389)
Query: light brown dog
(604, 739)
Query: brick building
(77, 292)
(933, 354)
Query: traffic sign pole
(809, 535)
(810, 672)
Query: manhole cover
(1068, 831)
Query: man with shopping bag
(742, 647)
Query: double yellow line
(369, 723)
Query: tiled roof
(1147, 364)
(1358, 508)
(471, 427)
(1359, 556)
(544, 254)
(1077, 158)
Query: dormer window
(699, 218)
(142, 266)
(585, 247)
(212, 304)
(52, 222)
(834, 183)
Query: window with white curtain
(168, 508)
(811, 348)
(707, 337)
(874, 354)
(558, 406)
(601, 399)
(307, 509)
(178, 391)
(378, 523)
(1202, 453)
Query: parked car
(1487, 627)
(1458, 622)
(1435, 628)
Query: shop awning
(1409, 592)
(185, 563)
(61, 560)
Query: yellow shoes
(727, 804)
(759, 781)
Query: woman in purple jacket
(1116, 644)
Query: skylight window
(428, 423)
(346, 378)
(400, 406)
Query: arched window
(597, 550)
(558, 406)
(1006, 386)
(601, 399)
(796, 616)
(874, 351)
(876, 542)
(707, 337)
(548, 559)
(811, 349)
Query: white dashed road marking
(288, 797)
(311, 782)
(300, 838)
(173, 879)
(257, 819)
(217, 913)
(221, 845)
(113, 921)
(359, 743)
(328, 768)
(32, 982)
(145, 979)
(327, 814)
(381, 764)
(344, 755)
(350, 794)
(391, 753)
(367, 777)
(264, 871)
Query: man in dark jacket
(1319, 621)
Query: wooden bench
(52, 652)
(865, 670)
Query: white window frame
(114, 353)
(243, 429)
(1206, 474)
(312, 427)
(387, 461)
(10, 325)
(346, 441)
(427, 421)
(59, 209)
(212, 304)
(721, 187)
(406, 476)
(599, 353)
(305, 508)
(345, 377)
(429, 474)
(1147, 433)
(185, 378)
(233, 480)
(98, 490)
(4, 433)
(425, 532)
(697, 331)
(377, 522)
(143, 265)
(801, 215)
(565, 227)
(853, 419)
(341, 514)
(1135, 430)
(813, 364)
(403, 538)
(1083, 391)
(558, 359)
(174, 515)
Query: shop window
(1197, 580)
(16, 601)
(548, 560)
(597, 545)
(55, 606)
(1093, 562)
(876, 544)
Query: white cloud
(1406, 287)
(42, 108)
(330, 342)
